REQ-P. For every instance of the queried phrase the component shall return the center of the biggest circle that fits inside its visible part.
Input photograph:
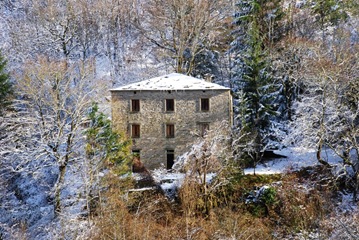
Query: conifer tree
(104, 144)
(252, 80)
(104, 148)
(328, 13)
(5, 84)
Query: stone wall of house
(152, 117)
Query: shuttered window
(135, 105)
(135, 130)
(170, 130)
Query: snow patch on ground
(296, 158)
(170, 182)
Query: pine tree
(104, 144)
(105, 148)
(5, 84)
(252, 79)
(328, 13)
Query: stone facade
(162, 128)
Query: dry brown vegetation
(301, 205)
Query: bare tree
(327, 112)
(206, 167)
(57, 98)
(181, 30)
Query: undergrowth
(286, 206)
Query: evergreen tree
(104, 145)
(5, 85)
(104, 148)
(205, 64)
(253, 84)
(328, 13)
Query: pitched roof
(173, 81)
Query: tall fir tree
(253, 85)
(5, 85)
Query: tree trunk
(355, 183)
(62, 171)
(319, 154)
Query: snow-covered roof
(173, 81)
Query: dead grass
(149, 215)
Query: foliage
(301, 208)
(199, 193)
(104, 144)
(55, 97)
(328, 13)
(105, 149)
(267, 16)
(278, 66)
(5, 84)
(241, 185)
(259, 202)
(253, 84)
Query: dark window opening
(204, 104)
(170, 105)
(170, 130)
(135, 105)
(135, 130)
(203, 129)
(170, 158)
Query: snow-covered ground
(296, 158)
(170, 182)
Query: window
(135, 105)
(170, 158)
(135, 130)
(170, 130)
(204, 104)
(203, 128)
(170, 105)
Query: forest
(292, 67)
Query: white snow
(173, 81)
(296, 158)
(170, 182)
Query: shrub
(301, 208)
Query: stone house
(165, 115)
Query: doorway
(170, 158)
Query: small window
(135, 105)
(170, 105)
(170, 158)
(204, 104)
(135, 130)
(203, 129)
(170, 130)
